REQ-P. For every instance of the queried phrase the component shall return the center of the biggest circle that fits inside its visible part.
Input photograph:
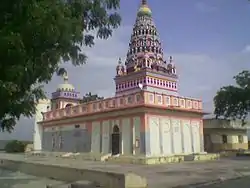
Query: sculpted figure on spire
(120, 69)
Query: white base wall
(177, 136)
(173, 136)
(196, 137)
(37, 138)
(187, 137)
(166, 141)
(105, 137)
(95, 138)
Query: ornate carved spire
(145, 55)
(145, 46)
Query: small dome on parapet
(65, 86)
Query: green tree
(90, 97)
(233, 102)
(15, 146)
(36, 36)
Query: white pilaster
(42, 106)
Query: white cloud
(23, 131)
(106, 52)
(200, 75)
(203, 7)
(246, 49)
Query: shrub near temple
(15, 146)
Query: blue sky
(209, 40)
(197, 26)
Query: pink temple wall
(152, 99)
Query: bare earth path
(162, 176)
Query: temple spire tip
(144, 2)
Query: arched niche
(116, 129)
(68, 105)
(116, 139)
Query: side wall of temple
(96, 136)
(145, 134)
(168, 135)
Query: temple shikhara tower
(145, 63)
(146, 117)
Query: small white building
(221, 135)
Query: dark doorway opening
(115, 140)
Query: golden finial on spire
(144, 9)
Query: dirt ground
(10, 179)
(186, 174)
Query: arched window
(116, 129)
(68, 105)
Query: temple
(146, 117)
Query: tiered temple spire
(145, 50)
(144, 62)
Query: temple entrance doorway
(115, 146)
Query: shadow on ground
(9, 179)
